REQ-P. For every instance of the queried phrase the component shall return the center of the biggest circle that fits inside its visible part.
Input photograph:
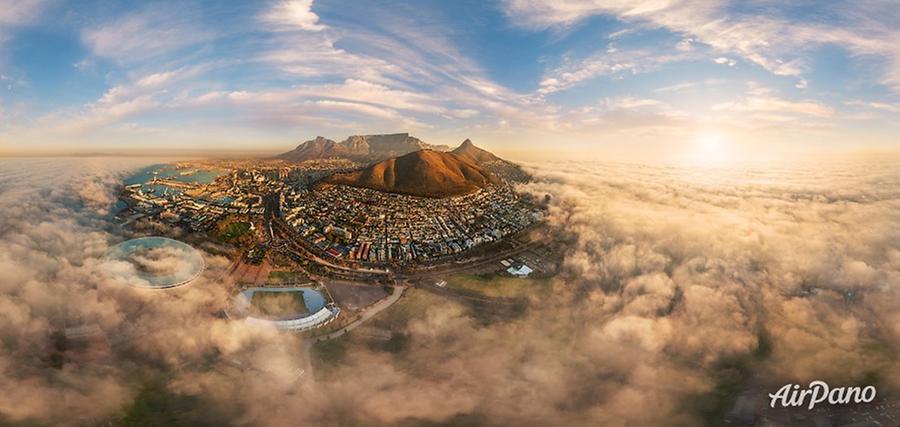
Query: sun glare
(709, 142)
(708, 148)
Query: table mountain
(360, 148)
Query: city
(456, 213)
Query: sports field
(278, 304)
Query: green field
(412, 305)
(155, 404)
(509, 287)
(286, 276)
(234, 230)
(278, 304)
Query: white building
(519, 270)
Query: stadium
(154, 263)
(298, 308)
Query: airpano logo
(791, 395)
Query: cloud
(670, 278)
(754, 254)
(880, 106)
(293, 14)
(759, 99)
(52, 236)
(134, 98)
(153, 32)
(109, 110)
(630, 103)
(20, 12)
(725, 61)
(764, 36)
(620, 62)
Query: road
(367, 313)
(295, 242)
(453, 268)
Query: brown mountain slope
(468, 151)
(423, 173)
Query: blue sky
(528, 76)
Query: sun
(709, 148)
(709, 141)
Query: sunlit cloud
(160, 67)
(293, 14)
(768, 39)
(680, 270)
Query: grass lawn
(278, 304)
(511, 287)
(234, 230)
(286, 276)
(326, 356)
(156, 405)
(413, 304)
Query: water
(168, 171)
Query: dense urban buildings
(377, 227)
(344, 224)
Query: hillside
(425, 173)
(360, 148)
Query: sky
(711, 79)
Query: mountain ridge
(361, 148)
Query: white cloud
(776, 43)
(293, 14)
(101, 114)
(156, 79)
(725, 61)
(630, 103)
(150, 83)
(146, 34)
(120, 102)
(763, 101)
(464, 113)
(681, 87)
(685, 45)
(874, 105)
(19, 12)
(617, 63)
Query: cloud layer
(675, 281)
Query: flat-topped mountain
(361, 148)
(425, 173)
(468, 151)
